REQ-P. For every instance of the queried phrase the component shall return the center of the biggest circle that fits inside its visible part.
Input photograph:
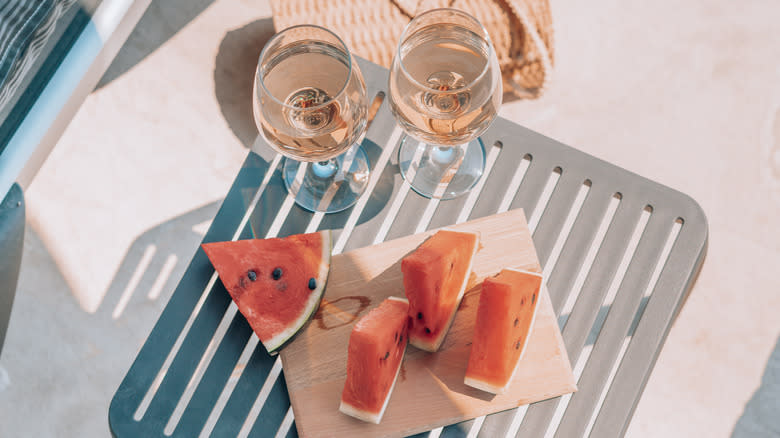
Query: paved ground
(686, 93)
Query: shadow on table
(760, 417)
(601, 317)
(156, 260)
(234, 71)
(161, 21)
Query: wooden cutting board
(430, 391)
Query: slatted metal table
(620, 254)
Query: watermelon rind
(435, 343)
(485, 386)
(373, 417)
(275, 343)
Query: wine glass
(310, 105)
(445, 91)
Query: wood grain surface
(430, 391)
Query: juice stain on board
(336, 316)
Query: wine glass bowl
(445, 91)
(310, 105)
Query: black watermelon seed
(387, 355)
(419, 315)
(395, 336)
(401, 339)
(517, 345)
(252, 276)
(517, 321)
(533, 298)
(312, 283)
(276, 274)
(427, 330)
(522, 301)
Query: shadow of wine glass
(234, 70)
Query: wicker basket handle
(539, 65)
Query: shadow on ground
(156, 260)
(161, 21)
(760, 417)
(234, 71)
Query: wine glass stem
(443, 154)
(325, 169)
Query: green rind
(274, 344)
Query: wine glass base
(441, 172)
(327, 187)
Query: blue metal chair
(11, 239)
(52, 54)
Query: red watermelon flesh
(507, 308)
(376, 348)
(435, 278)
(276, 283)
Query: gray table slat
(576, 247)
(460, 430)
(555, 214)
(365, 231)
(539, 172)
(214, 378)
(274, 409)
(378, 206)
(498, 424)
(615, 328)
(379, 197)
(448, 210)
(512, 153)
(269, 204)
(409, 216)
(588, 304)
(244, 394)
(686, 256)
(297, 220)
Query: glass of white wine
(310, 105)
(445, 91)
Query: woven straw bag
(521, 31)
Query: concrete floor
(685, 93)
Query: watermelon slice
(376, 348)
(276, 283)
(435, 278)
(505, 317)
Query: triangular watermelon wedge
(277, 284)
